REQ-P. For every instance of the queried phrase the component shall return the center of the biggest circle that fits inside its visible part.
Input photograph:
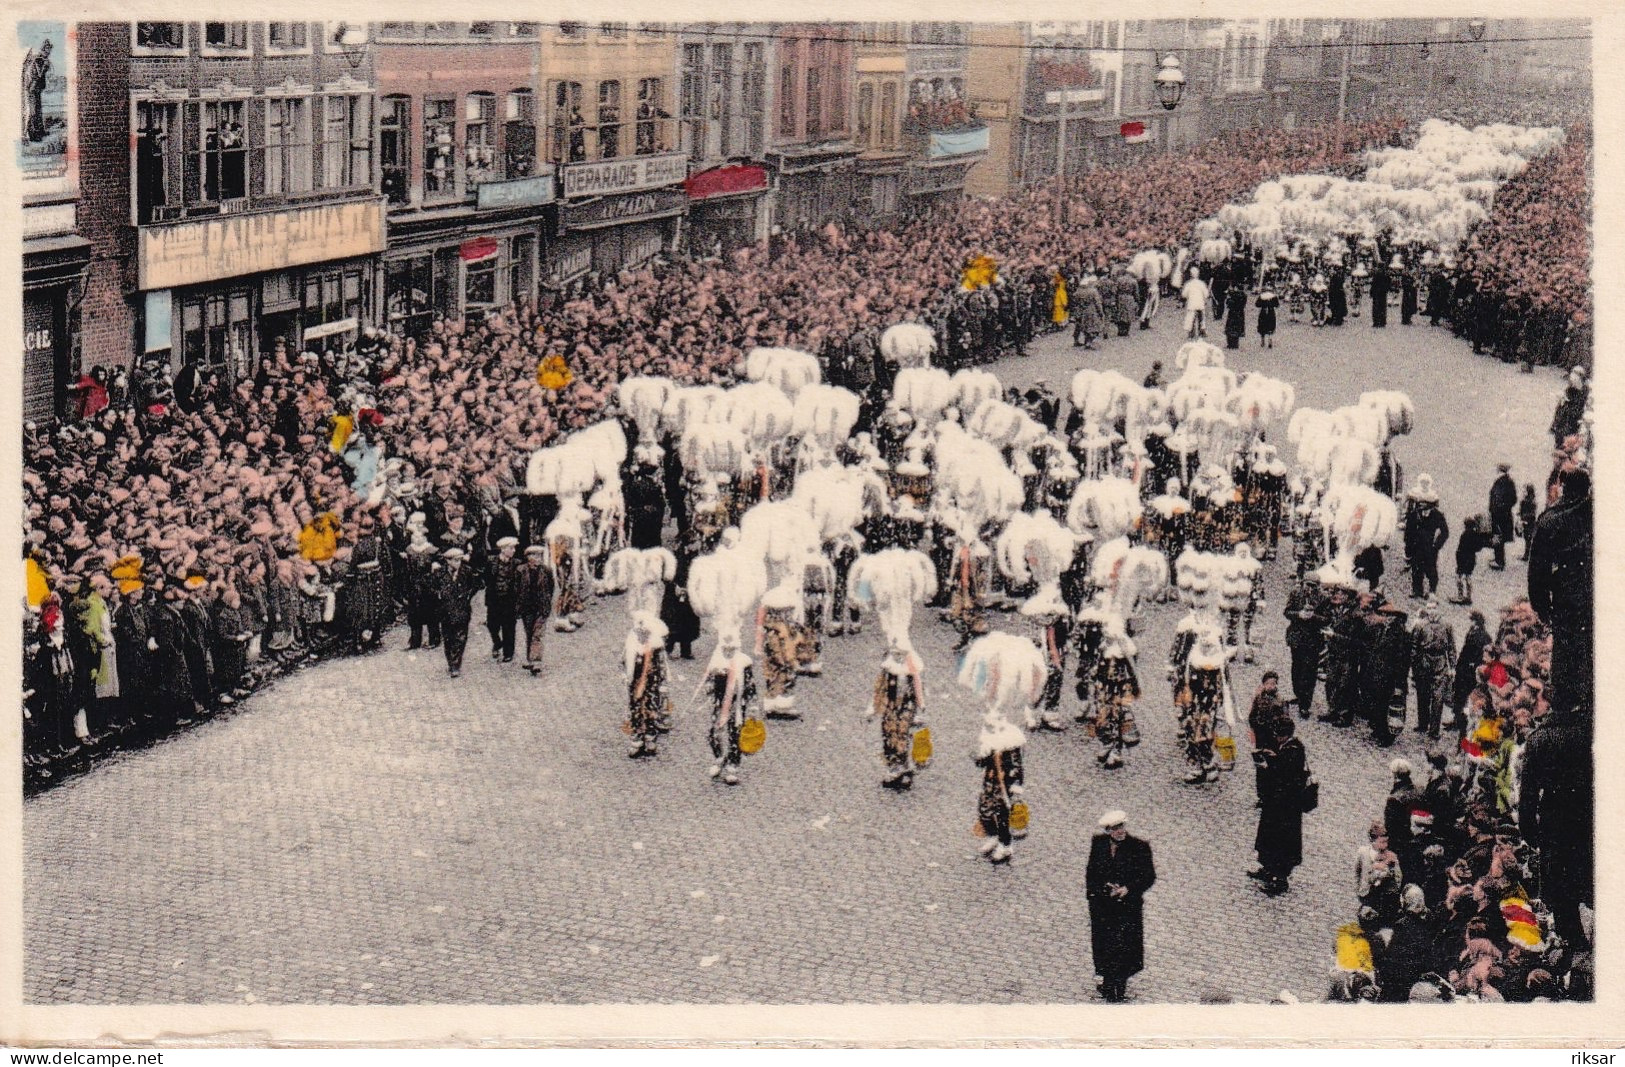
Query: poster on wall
(42, 149)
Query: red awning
(724, 181)
(477, 248)
(1132, 129)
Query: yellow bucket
(752, 736)
(920, 750)
(1018, 815)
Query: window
(228, 35)
(331, 296)
(481, 29)
(569, 125)
(522, 267)
(346, 148)
(609, 119)
(691, 101)
(479, 138)
(288, 35)
(866, 105)
(837, 101)
(215, 331)
(815, 111)
(754, 92)
(287, 146)
(480, 282)
(219, 163)
(718, 102)
(409, 288)
(157, 166)
(787, 94)
(572, 31)
(395, 148)
(649, 29)
(651, 110)
(522, 29)
(160, 34)
(888, 115)
(612, 30)
(519, 134)
(398, 31)
(439, 148)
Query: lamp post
(1170, 83)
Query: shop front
(52, 269)
(726, 208)
(938, 174)
(617, 214)
(816, 185)
(232, 288)
(465, 261)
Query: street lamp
(1170, 83)
(352, 41)
(1475, 27)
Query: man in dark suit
(1120, 872)
(454, 589)
(1503, 503)
(1560, 589)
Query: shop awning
(725, 181)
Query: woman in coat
(1088, 313)
(1235, 316)
(1267, 303)
(1119, 873)
(1282, 771)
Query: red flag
(1132, 129)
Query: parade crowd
(188, 537)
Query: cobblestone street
(369, 831)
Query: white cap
(1112, 819)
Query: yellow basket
(752, 736)
(920, 750)
(1225, 748)
(1019, 815)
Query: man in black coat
(1503, 502)
(1282, 772)
(1119, 873)
(1570, 410)
(1555, 814)
(454, 589)
(1337, 298)
(1560, 588)
(645, 506)
(1471, 657)
(1426, 532)
(1380, 287)
(1305, 620)
(502, 598)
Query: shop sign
(328, 329)
(191, 253)
(1075, 96)
(645, 248)
(624, 175)
(570, 262)
(613, 210)
(516, 192)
